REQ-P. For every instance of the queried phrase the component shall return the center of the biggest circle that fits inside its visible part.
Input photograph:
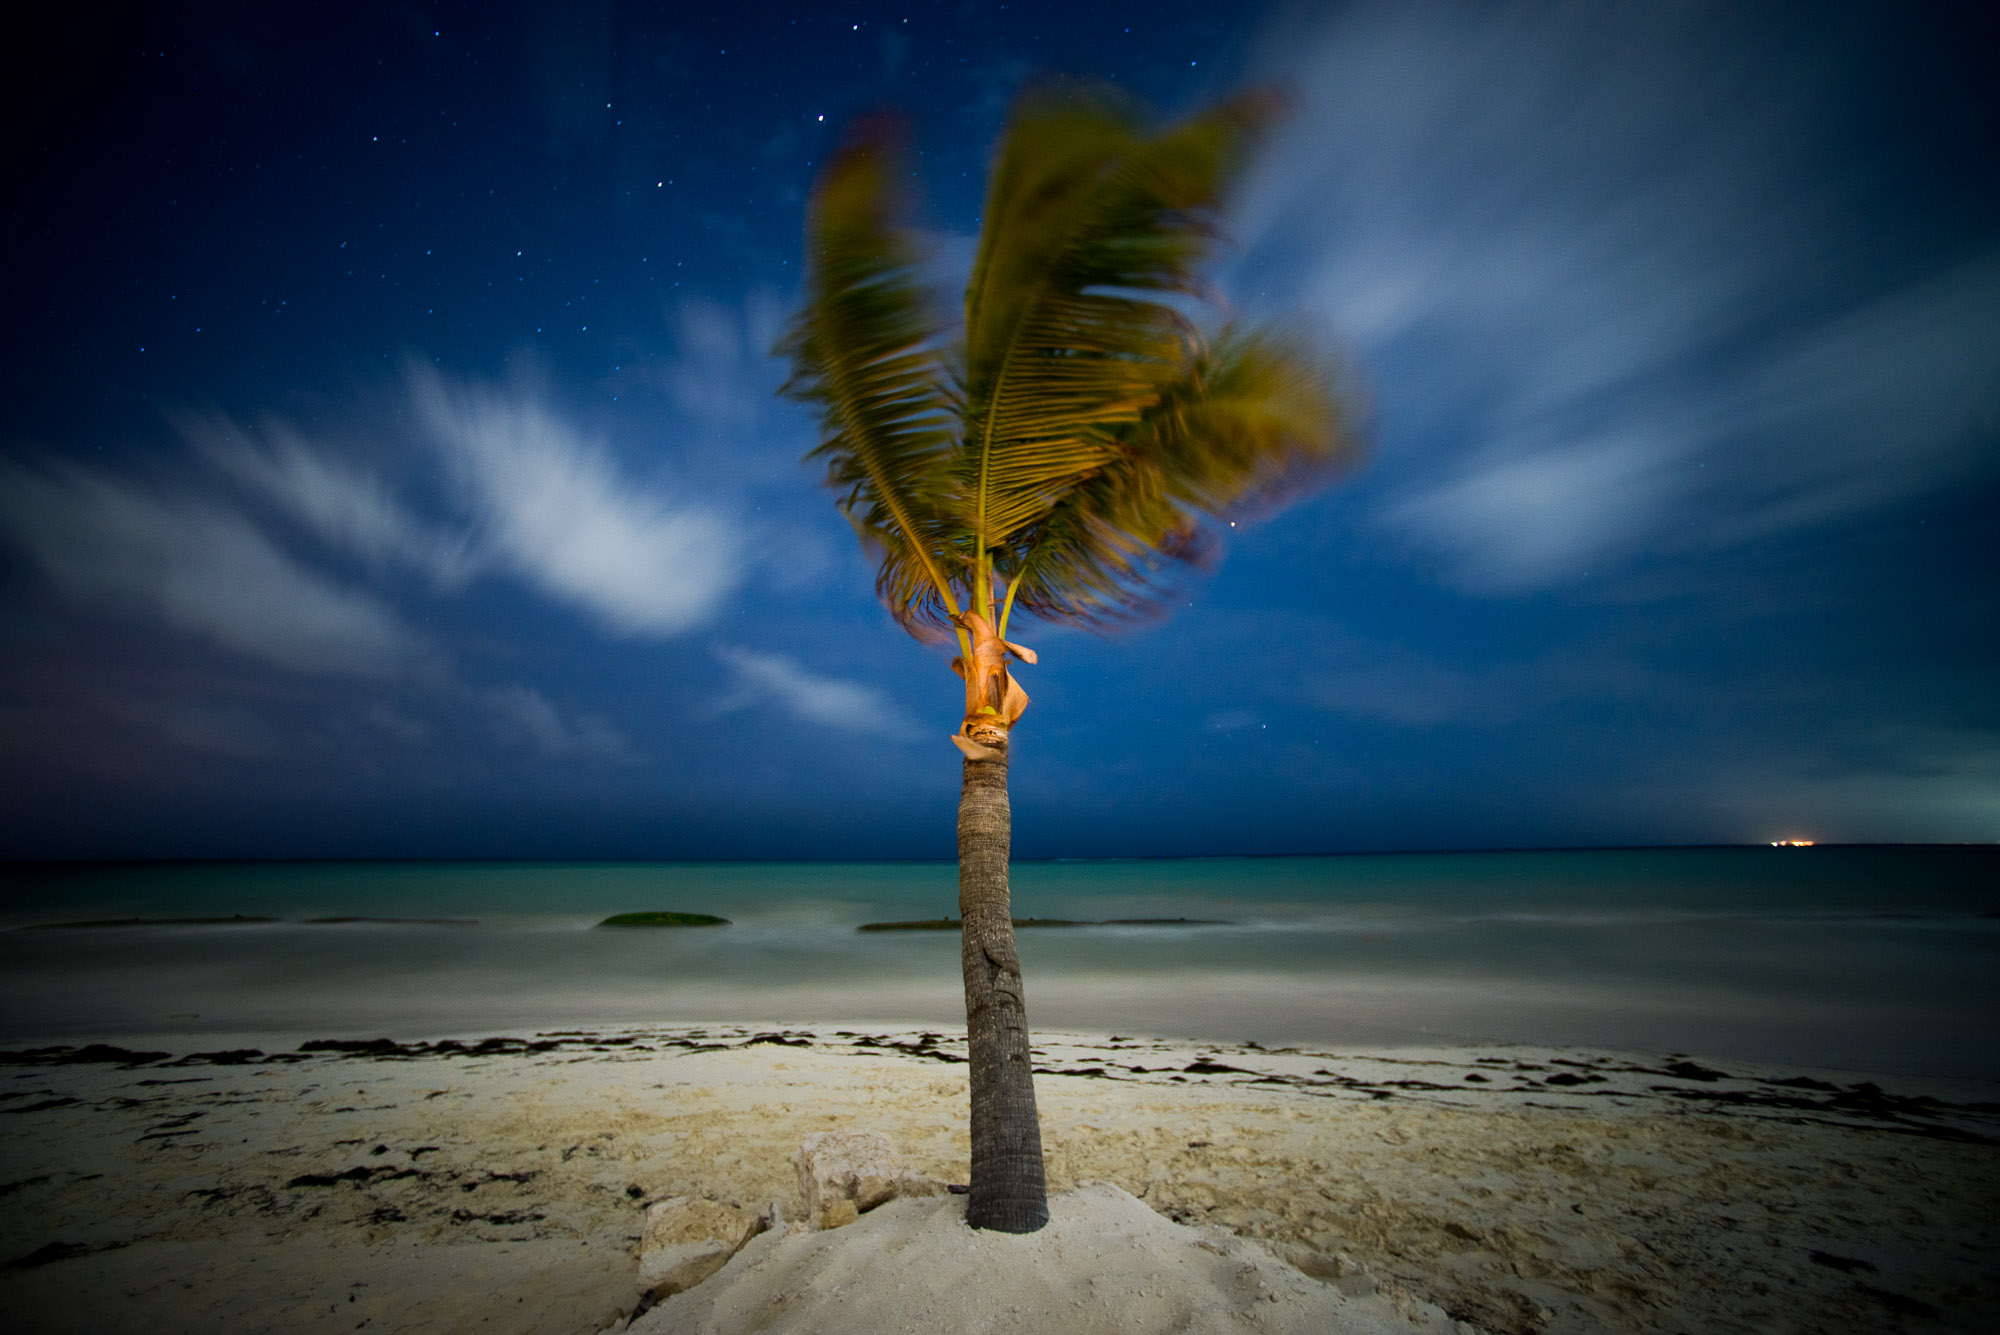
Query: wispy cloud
(554, 506)
(200, 568)
(1560, 236)
(293, 552)
(1316, 663)
(1884, 401)
(809, 697)
(526, 717)
(1524, 517)
(335, 498)
(722, 375)
(739, 438)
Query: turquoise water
(1866, 958)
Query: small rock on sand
(687, 1239)
(843, 1174)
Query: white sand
(1520, 1190)
(1104, 1265)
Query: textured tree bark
(1009, 1193)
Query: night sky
(391, 464)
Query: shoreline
(1937, 1107)
(1842, 1042)
(427, 1183)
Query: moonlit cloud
(1315, 664)
(336, 499)
(199, 568)
(722, 375)
(525, 716)
(1528, 517)
(809, 697)
(555, 507)
(1558, 236)
(235, 543)
(1892, 398)
(218, 728)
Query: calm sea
(1872, 959)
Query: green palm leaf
(1089, 222)
(1245, 425)
(1067, 447)
(865, 350)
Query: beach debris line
(953, 924)
(664, 918)
(1575, 1074)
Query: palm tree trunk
(1009, 1193)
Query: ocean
(1861, 959)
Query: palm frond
(865, 349)
(1247, 423)
(1090, 220)
(1257, 419)
(1075, 442)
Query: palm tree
(1055, 453)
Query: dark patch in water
(396, 922)
(664, 918)
(231, 921)
(952, 924)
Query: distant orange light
(1791, 843)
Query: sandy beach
(499, 1182)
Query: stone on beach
(844, 1174)
(687, 1239)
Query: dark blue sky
(391, 464)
